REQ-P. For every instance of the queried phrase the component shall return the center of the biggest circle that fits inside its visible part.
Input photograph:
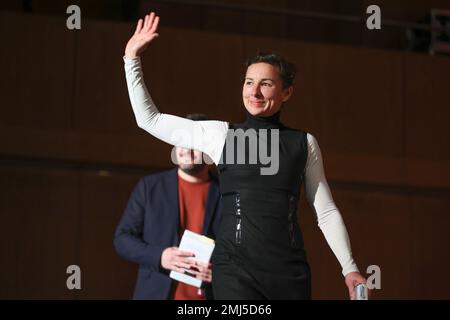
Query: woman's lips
(257, 103)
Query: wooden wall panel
(104, 197)
(9, 238)
(377, 222)
(430, 237)
(308, 29)
(228, 21)
(313, 6)
(387, 171)
(402, 10)
(52, 7)
(358, 94)
(40, 241)
(174, 15)
(191, 72)
(12, 5)
(101, 100)
(268, 24)
(103, 9)
(428, 173)
(427, 109)
(37, 74)
(177, 67)
(85, 147)
(414, 11)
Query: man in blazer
(160, 208)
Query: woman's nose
(255, 91)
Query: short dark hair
(196, 116)
(287, 70)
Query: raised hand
(144, 34)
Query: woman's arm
(328, 216)
(206, 136)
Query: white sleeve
(206, 136)
(327, 214)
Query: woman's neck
(272, 121)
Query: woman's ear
(288, 93)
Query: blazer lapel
(173, 204)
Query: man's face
(263, 92)
(190, 161)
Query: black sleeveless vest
(259, 211)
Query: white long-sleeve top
(209, 137)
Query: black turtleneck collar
(256, 122)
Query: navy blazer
(150, 224)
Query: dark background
(71, 152)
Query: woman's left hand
(352, 279)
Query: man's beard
(191, 168)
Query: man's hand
(202, 271)
(352, 279)
(144, 34)
(177, 260)
(183, 262)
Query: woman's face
(263, 92)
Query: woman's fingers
(151, 17)
(146, 22)
(154, 25)
(147, 27)
(139, 26)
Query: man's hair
(196, 116)
(287, 70)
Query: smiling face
(263, 92)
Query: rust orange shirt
(192, 202)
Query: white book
(202, 247)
